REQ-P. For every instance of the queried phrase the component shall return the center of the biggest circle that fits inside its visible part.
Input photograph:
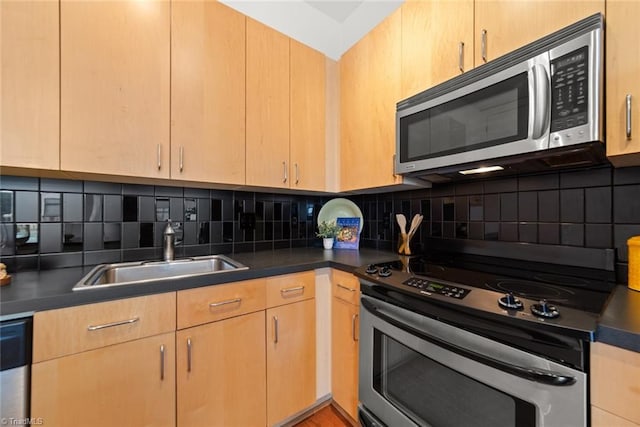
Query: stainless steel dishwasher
(15, 369)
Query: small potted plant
(328, 231)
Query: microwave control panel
(570, 90)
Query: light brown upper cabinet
(308, 118)
(505, 25)
(267, 156)
(207, 92)
(437, 42)
(115, 87)
(369, 90)
(29, 84)
(623, 84)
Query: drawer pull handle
(111, 325)
(275, 329)
(628, 116)
(221, 303)
(353, 327)
(188, 354)
(289, 290)
(162, 362)
(346, 288)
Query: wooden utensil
(402, 222)
(415, 223)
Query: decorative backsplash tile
(48, 223)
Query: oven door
(415, 370)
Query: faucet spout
(169, 242)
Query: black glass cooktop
(578, 288)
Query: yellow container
(634, 263)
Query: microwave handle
(541, 100)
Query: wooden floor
(325, 417)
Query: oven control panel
(428, 287)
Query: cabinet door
(308, 106)
(115, 87)
(267, 157)
(344, 355)
(207, 92)
(432, 31)
(291, 359)
(29, 84)
(512, 24)
(623, 67)
(129, 384)
(615, 375)
(221, 373)
(369, 91)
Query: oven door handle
(533, 374)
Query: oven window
(431, 393)
(495, 115)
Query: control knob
(509, 301)
(544, 309)
(371, 269)
(384, 271)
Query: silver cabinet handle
(297, 173)
(354, 318)
(188, 354)
(162, 362)
(289, 290)
(181, 155)
(111, 325)
(284, 169)
(346, 288)
(275, 329)
(461, 57)
(159, 156)
(483, 45)
(227, 302)
(629, 116)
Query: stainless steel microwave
(538, 107)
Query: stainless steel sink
(126, 273)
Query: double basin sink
(129, 273)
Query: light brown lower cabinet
(291, 359)
(344, 355)
(221, 373)
(615, 386)
(127, 384)
(345, 329)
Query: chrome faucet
(169, 244)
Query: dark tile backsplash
(52, 223)
(48, 223)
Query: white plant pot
(327, 242)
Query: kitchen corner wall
(52, 223)
(593, 208)
(49, 223)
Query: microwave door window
(494, 115)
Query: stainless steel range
(461, 339)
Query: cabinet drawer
(203, 305)
(345, 286)
(290, 288)
(72, 330)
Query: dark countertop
(619, 324)
(33, 291)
